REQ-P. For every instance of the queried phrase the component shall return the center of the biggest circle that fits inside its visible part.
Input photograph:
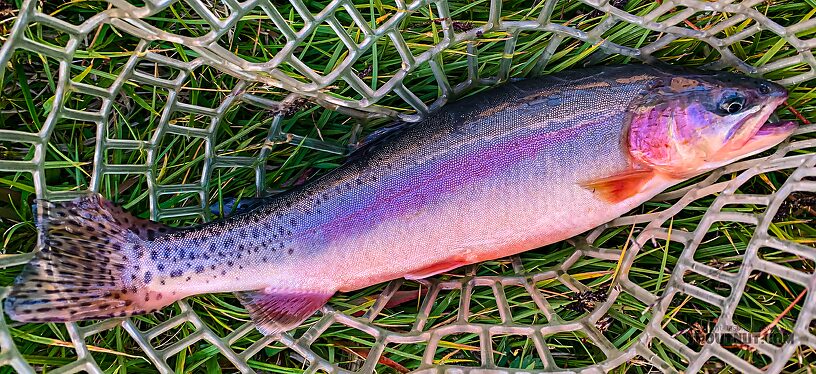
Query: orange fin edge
(435, 269)
(619, 187)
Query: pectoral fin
(275, 311)
(617, 188)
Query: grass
(30, 81)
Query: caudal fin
(87, 268)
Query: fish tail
(87, 267)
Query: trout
(511, 169)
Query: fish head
(686, 124)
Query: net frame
(130, 19)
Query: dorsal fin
(379, 136)
(232, 206)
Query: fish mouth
(757, 129)
(757, 134)
(762, 138)
(763, 133)
(774, 129)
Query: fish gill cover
(169, 107)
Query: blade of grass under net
(662, 273)
(26, 92)
(767, 56)
(61, 343)
(588, 49)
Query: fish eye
(764, 89)
(732, 104)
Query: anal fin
(617, 188)
(274, 311)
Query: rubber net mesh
(149, 99)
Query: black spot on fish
(148, 277)
(230, 263)
(291, 251)
(264, 259)
(160, 267)
(228, 243)
(199, 269)
(293, 222)
(175, 273)
(212, 247)
(255, 232)
(223, 272)
(118, 247)
(188, 279)
(212, 267)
